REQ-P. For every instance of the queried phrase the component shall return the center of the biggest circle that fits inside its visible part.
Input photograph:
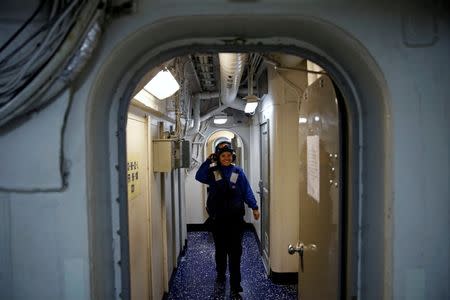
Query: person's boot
(219, 287)
(234, 293)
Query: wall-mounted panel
(162, 155)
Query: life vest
(225, 200)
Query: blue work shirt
(228, 189)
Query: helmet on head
(225, 147)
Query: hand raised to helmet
(212, 157)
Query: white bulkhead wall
(195, 200)
(166, 236)
(150, 269)
(280, 108)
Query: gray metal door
(264, 193)
(320, 237)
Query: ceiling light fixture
(144, 97)
(163, 85)
(251, 105)
(220, 119)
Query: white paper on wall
(133, 176)
(313, 166)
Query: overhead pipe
(238, 104)
(213, 113)
(196, 115)
(231, 68)
(207, 95)
(196, 107)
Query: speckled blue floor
(195, 277)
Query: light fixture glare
(144, 97)
(220, 119)
(250, 107)
(163, 85)
(302, 120)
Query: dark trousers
(227, 235)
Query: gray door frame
(264, 193)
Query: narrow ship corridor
(195, 276)
(268, 107)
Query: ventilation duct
(196, 110)
(231, 68)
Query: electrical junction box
(182, 154)
(163, 155)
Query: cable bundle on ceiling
(35, 56)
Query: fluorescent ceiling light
(220, 119)
(144, 97)
(163, 85)
(252, 103)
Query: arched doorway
(354, 72)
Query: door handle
(300, 248)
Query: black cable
(24, 25)
(20, 46)
(51, 22)
(54, 44)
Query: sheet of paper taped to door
(313, 166)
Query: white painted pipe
(231, 68)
